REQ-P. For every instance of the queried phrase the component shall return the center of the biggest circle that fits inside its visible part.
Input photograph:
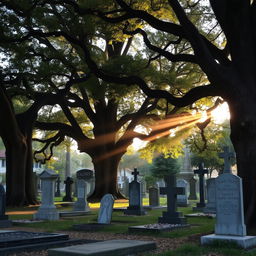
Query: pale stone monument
(182, 199)
(81, 203)
(186, 172)
(47, 210)
(230, 224)
(211, 196)
(106, 209)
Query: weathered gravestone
(172, 216)
(182, 199)
(211, 196)
(230, 213)
(47, 210)
(201, 172)
(153, 196)
(68, 190)
(4, 222)
(81, 203)
(57, 191)
(192, 189)
(106, 209)
(88, 176)
(227, 156)
(126, 186)
(135, 197)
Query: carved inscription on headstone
(229, 206)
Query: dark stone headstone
(226, 155)
(57, 192)
(68, 189)
(135, 197)
(84, 174)
(153, 196)
(192, 189)
(172, 216)
(88, 176)
(201, 172)
(4, 222)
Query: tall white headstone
(229, 206)
(230, 213)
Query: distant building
(37, 167)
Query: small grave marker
(201, 172)
(68, 189)
(172, 216)
(135, 197)
(106, 209)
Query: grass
(120, 223)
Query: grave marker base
(156, 228)
(20, 241)
(105, 248)
(242, 241)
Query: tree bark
(106, 178)
(243, 136)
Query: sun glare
(221, 114)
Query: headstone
(143, 188)
(68, 190)
(104, 248)
(182, 199)
(57, 192)
(81, 203)
(126, 186)
(47, 210)
(201, 172)
(106, 209)
(88, 176)
(186, 171)
(153, 196)
(192, 189)
(226, 155)
(35, 178)
(211, 196)
(172, 216)
(135, 197)
(230, 213)
(4, 222)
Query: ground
(183, 242)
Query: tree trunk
(106, 178)
(243, 136)
(15, 174)
(30, 186)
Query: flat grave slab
(14, 238)
(242, 241)
(105, 248)
(200, 214)
(73, 213)
(20, 241)
(157, 227)
(90, 226)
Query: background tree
(228, 60)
